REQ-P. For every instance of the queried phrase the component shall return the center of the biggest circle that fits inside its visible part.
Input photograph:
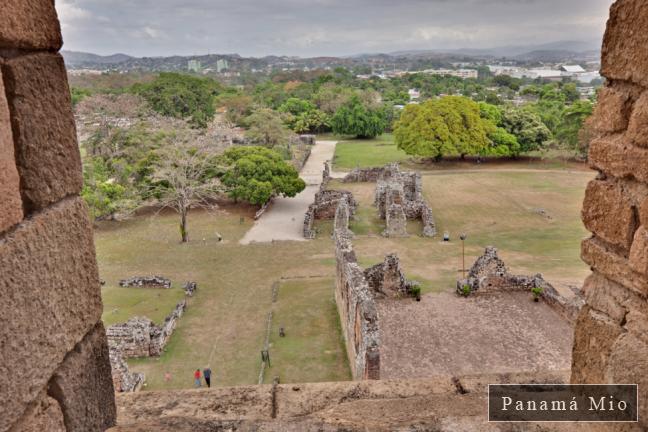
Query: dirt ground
(445, 334)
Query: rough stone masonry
(611, 338)
(55, 369)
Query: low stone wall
(140, 337)
(361, 175)
(387, 280)
(489, 274)
(146, 282)
(123, 379)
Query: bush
(466, 290)
(537, 292)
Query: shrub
(466, 290)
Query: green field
(531, 215)
(367, 153)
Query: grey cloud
(321, 27)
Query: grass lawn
(532, 216)
(313, 348)
(367, 153)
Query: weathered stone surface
(615, 156)
(639, 252)
(44, 415)
(30, 24)
(625, 45)
(47, 154)
(608, 213)
(123, 379)
(613, 110)
(606, 296)
(628, 364)
(638, 127)
(643, 212)
(613, 266)
(50, 297)
(594, 337)
(10, 201)
(83, 385)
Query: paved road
(284, 220)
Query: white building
(193, 66)
(414, 94)
(461, 73)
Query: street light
(463, 255)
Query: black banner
(562, 403)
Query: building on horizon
(221, 65)
(193, 66)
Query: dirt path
(284, 220)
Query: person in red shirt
(197, 378)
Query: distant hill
(77, 58)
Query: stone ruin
(326, 204)
(356, 291)
(146, 282)
(489, 274)
(307, 139)
(399, 197)
(364, 175)
(141, 337)
(123, 379)
(190, 288)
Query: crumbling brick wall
(55, 373)
(489, 274)
(611, 339)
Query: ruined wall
(489, 274)
(356, 304)
(141, 337)
(611, 339)
(398, 197)
(55, 372)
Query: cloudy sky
(321, 27)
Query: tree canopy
(181, 96)
(357, 119)
(255, 174)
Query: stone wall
(489, 274)
(399, 196)
(356, 305)
(146, 281)
(325, 204)
(141, 337)
(123, 379)
(611, 340)
(55, 372)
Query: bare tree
(184, 176)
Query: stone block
(615, 267)
(30, 24)
(50, 299)
(639, 252)
(617, 157)
(639, 122)
(44, 415)
(606, 296)
(627, 364)
(613, 110)
(47, 153)
(608, 213)
(624, 55)
(83, 385)
(10, 201)
(594, 338)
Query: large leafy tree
(255, 174)
(181, 96)
(355, 118)
(527, 127)
(572, 122)
(443, 127)
(266, 127)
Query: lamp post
(463, 255)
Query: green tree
(354, 118)
(572, 122)
(255, 174)
(181, 96)
(443, 127)
(266, 127)
(527, 127)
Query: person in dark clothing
(207, 375)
